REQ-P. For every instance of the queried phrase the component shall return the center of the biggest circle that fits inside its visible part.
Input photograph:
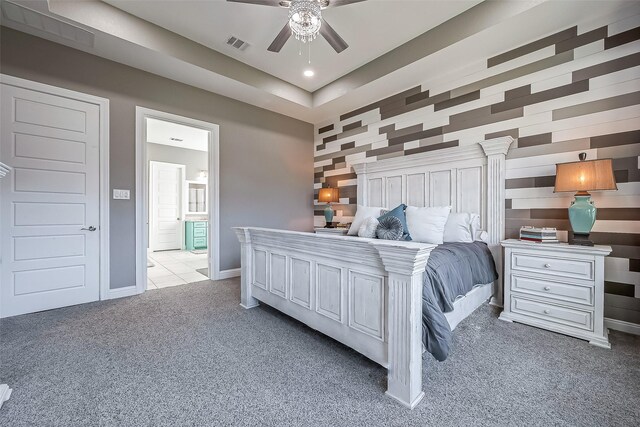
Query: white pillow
(427, 224)
(368, 228)
(481, 236)
(478, 234)
(459, 227)
(362, 213)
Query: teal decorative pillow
(389, 228)
(398, 212)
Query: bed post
(246, 299)
(496, 150)
(361, 170)
(405, 266)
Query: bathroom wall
(194, 160)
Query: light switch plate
(120, 194)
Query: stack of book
(538, 235)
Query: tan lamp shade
(584, 176)
(328, 195)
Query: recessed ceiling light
(308, 73)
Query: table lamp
(584, 176)
(328, 196)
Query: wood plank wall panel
(569, 92)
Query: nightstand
(556, 286)
(195, 236)
(334, 231)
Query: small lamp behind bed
(583, 176)
(328, 196)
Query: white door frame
(142, 178)
(103, 227)
(181, 213)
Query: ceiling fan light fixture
(305, 19)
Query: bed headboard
(470, 178)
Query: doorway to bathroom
(176, 200)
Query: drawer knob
(547, 288)
(547, 266)
(547, 311)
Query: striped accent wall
(577, 90)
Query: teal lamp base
(328, 216)
(582, 216)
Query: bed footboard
(365, 293)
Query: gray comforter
(453, 269)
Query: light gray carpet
(189, 355)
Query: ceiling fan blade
(280, 39)
(259, 2)
(330, 35)
(336, 3)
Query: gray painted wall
(266, 159)
(194, 160)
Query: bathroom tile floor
(174, 268)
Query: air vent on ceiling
(50, 25)
(237, 43)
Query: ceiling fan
(305, 21)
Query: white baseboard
(127, 291)
(622, 326)
(228, 274)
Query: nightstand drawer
(199, 232)
(569, 292)
(200, 242)
(575, 268)
(571, 317)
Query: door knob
(91, 228)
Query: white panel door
(166, 206)
(50, 202)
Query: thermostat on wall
(121, 194)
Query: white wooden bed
(367, 293)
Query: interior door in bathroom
(165, 206)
